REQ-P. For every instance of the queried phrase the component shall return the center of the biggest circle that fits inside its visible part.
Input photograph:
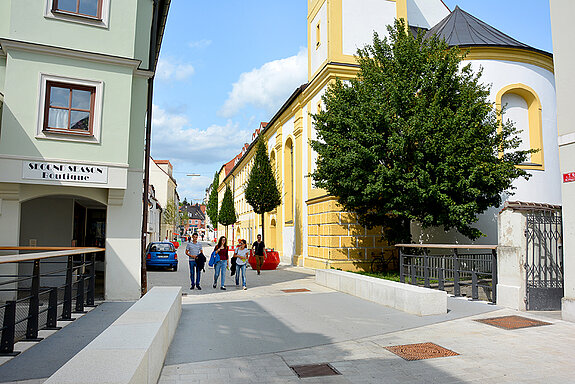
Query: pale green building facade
(74, 84)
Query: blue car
(162, 254)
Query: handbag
(214, 258)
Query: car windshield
(161, 248)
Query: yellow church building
(309, 228)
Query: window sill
(531, 166)
(67, 137)
(77, 15)
(99, 22)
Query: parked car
(162, 254)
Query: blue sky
(227, 65)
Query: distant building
(154, 217)
(161, 177)
(196, 222)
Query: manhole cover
(420, 351)
(314, 370)
(512, 322)
(295, 290)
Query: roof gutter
(159, 16)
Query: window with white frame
(70, 109)
(92, 12)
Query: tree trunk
(263, 239)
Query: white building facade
(564, 50)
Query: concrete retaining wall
(404, 297)
(131, 350)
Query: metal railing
(45, 287)
(452, 268)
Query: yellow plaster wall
(336, 240)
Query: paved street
(254, 336)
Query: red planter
(271, 261)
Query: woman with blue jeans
(222, 265)
(242, 258)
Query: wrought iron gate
(544, 259)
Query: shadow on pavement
(45, 358)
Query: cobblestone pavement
(255, 336)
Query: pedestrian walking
(222, 265)
(242, 258)
(193, 250)
(259, 252)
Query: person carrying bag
(220, 266)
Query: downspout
(151, 67)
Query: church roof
(461, 29)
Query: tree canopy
(212, 207)
(171, 215)
(227, 214)
(414, 137)
(262, 192)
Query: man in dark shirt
(259, 252)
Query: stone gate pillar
(511, 249)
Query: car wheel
(175, 268)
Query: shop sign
(568, 177)
(48, 171)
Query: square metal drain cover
(420, 351)
(314, 370)
(512, 322)
(295, 290)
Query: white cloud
(269, 86)
(193, 187)
(171, 69)
(200, 44)
(174, 139)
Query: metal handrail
(478, 270)
(77, 273)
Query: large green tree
(414, 137)
(212, 207)
(262, 192)
(227, 215)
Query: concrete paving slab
(254, 336)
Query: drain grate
(314, 370)
(420, 351)
(295, 290)
(512, 322)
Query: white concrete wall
(404, 297)
(9, 231)
(562, 12)
(123, 257)
(426, 13)
(131, 350)
(361, 18)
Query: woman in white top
(242, 258)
